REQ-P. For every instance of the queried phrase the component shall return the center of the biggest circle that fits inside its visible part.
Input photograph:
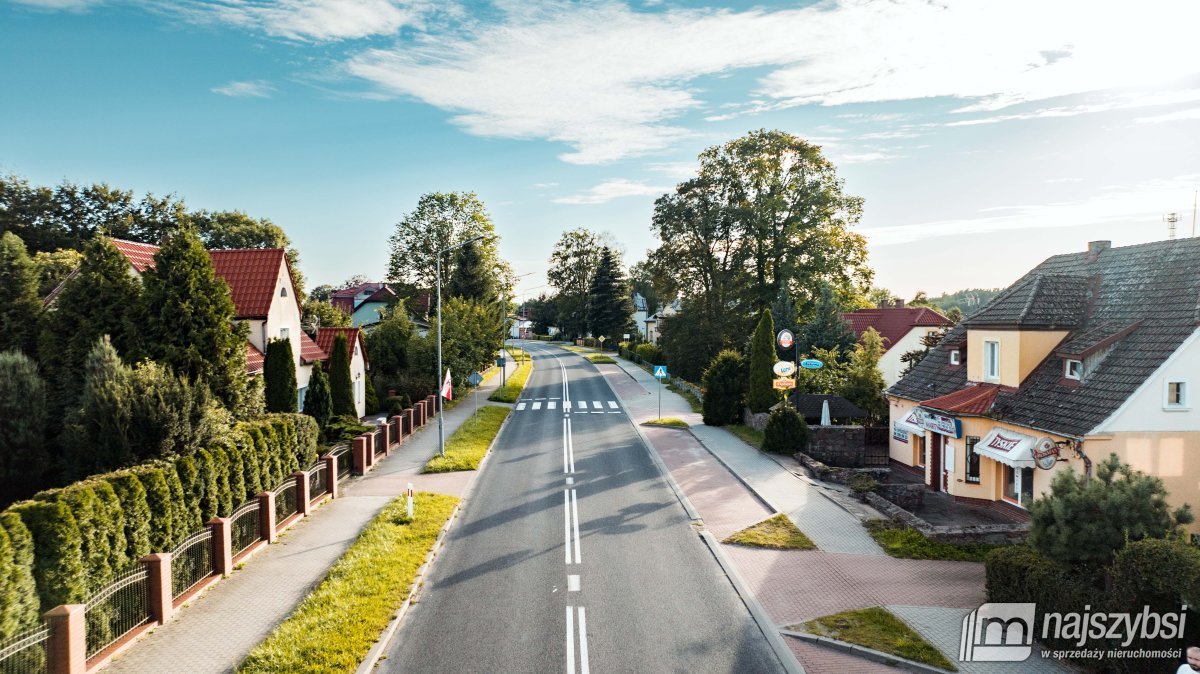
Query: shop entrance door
(935, 462)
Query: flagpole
(440, 373)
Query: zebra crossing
(571, 406)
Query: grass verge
(577, 349)
(777, 533)
(748, 435)
(877, 628)
(335, 626)
(601, 359)
(905, 542)
(511, 390)
(692, 400)
(672, 422)
(466, 447)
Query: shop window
(955, 358)
(1018, 485)
(991, 360)
(1026, 487)
(1176, 396)
(1010, 484)
(1073, 369)
(972, 460)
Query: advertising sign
(784, 368)
(811, 364)
(781, 384)
(1045, 453)
(786, 339)
(899, 434)
(932, 421)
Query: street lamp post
(440, 374)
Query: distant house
(639, 314)
(359, 364)
(1089, 354)
(901, 329)
(264, 296)
(364, 302)
(654, 324)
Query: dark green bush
(307, 438)
(181, 519)
(651, 354)
(158, 501)
(724, 386)
(101, 527)
(58, 567)
(344, 429)
(237, 475)
(19, 606)
(194, 488)
(221, 467)
(131, 496)
(786, 432)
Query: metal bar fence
(25, 653)
(191, 562)
(318, 481)
(345, 462)
(397, 430)
(379, 441)
(286, 504)
(117, 610)
(245, 527)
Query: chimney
(1095, 248)
(898, 303)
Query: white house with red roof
(359, 364)
(901, 329)
(264, 296)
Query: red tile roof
(326, 337)
(893, 324)
(309, 351)
(971, 400)
(140, 255)
(254, 359)
(252, 274)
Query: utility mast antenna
(1171, 219)
(1194, 193)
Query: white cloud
(59, 4)
(1125, 101)
(256, 89)
(864, 157)
(613, 82)
(1178, 115)
(1142, 204)
(317, 20)
(542, 186)
(612, 189)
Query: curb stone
(864, 652)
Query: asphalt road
(573, 554)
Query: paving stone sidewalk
(216, 630)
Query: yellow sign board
(784, 383)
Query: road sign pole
(660, 388)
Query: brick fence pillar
(302, 496)
(407, 423)
(66, 650)
(370, 440)
(331, 477)
(387, 438)
(361, 451)
(222, 540)
(266, 515)
(432, 403)
(158, 580)
(418, 409)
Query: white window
(283, 291)
(1073, 369)
(284, 333)
(1176, 396)
(955, 358)
(991, 360)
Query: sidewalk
(216, 630)
(732, 486)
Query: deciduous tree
(441, 220)
(724, 389)
(827, 329)
(573, 262)
(864, 383)
(322, 314)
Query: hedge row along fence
(83, 549)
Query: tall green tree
(827, 329)
(54, 267)
(340, 384)
(610, 303)
(573, 262)
(19, 303)
(864, 383)
(471, 280)
(24, 454)
(388, 343)
(1084, 521)
(470, 338)
(318, 402)
(543, 312)
(188, 320)
(724, 389)
(279, 376)
(102, 299)
(760, 395)
(322, 314)
(644, 281)
(235, 229)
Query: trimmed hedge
(650, 354)
(786, 433)
(68, 543)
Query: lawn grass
(335, 626)
(511, 390)
(666, 421)
(577, 349)
(777, 533)
(878, 629)
(692, 400)
(466, 447)
(905, 542)
(748, 435)
(601, 359)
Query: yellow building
(1088, 354)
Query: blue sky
(984, 136)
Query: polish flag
(447, 390)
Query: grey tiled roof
(1157, 284)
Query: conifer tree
(187, 319)
(19, 303)
(864, 383)
(279, 375)
(760, 395)
(827, 329)
(724, 389)
(23, 451)
(318, 402)
(610, 304)
(471, 279)
(340, 385)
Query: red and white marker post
(410, 501)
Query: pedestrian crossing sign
(660, 371)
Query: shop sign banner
(1045, 453)
(940, 423)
